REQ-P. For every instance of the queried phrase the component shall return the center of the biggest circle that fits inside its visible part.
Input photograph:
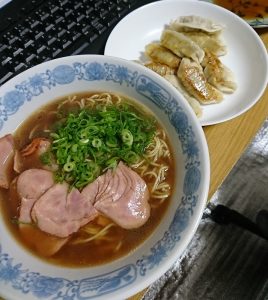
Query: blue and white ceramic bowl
(23, 276)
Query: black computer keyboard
(35, 31)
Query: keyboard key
(51, 41)
(20, 67)
(9, 64)
(109, 20)
(39, 35)
(30, 58)
(17, 52)
(28, 43)
(36, 2)
(34, 24)
(3, 49)
(99, 28)
(81, 48)
(97, 3)
(80, 17)
(76, 36)
(121, 11)
(5, 75)
(41, 49)
(62, 33)
(89, 10)
(78, 5)
(56, 52)
(71, 25)
(44, 16)
(63, 3)
(59, 19)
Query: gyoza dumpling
(162, 55)
(174, 80)
(218, 74)
(181, 45)
(193, 79)
(196, 23)
(160, 69)
(212, 43)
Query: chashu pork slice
(121, 195)
(60, 212)
(31, 185)
(7, 150)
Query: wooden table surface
(227, 141)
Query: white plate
(246, 57)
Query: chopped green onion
(112, 162)
(111, 141)
(131, 157)
(96, 143)
(74, 147)
(68, 167)
(86, 143)
(127, 137)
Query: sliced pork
(7, 149)
(61, 213)
(122, 195)
(31, 185)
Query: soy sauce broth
(80, 255)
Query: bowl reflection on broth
(100, 240)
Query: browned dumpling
(211, 43)
(193, 79)
(174, 80)
(218, 74)
(162, 55)
(181, 45)
(160, 69)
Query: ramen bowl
(24, 275)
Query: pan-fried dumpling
(194, 81)
(181, 45)
(160, 69)
(218, 74)
(212, 43)
(162, 55)
(174, 80)
(196, 23)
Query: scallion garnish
(88, 142)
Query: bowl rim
(132, 289)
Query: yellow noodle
(97, 235)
